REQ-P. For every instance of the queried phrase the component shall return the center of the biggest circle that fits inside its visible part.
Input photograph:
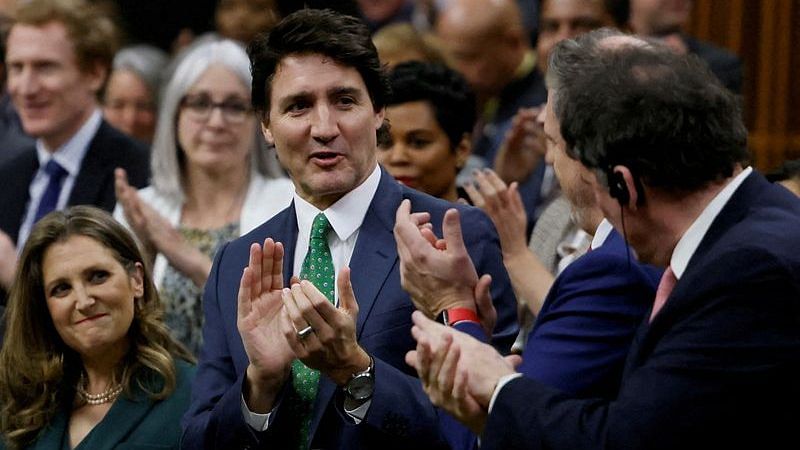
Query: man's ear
(624, 181)
(379, 116)
(96, 74)
(266, 132)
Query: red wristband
(454, 315)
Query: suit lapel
(125, 415)
(93, 176)
(373, 258)
(54, 434)
(733, 212)
(287, 234)
(376, 251)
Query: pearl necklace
(107, 396)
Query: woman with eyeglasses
(212, 180)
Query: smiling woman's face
(90, 295)
(420, 154)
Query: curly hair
(38, 371)
(447, 92)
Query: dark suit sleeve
(718, 369)
(214, 419)
(585, 328)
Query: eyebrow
(337, 91)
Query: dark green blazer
(131, 423)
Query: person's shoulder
(23, 158)
(107, 135)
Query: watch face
(361, 387)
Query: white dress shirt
(345, 217)
(69, 156)
(690, 240)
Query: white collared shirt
(601, 234)
(690, 240)
(69, 156)
(345, 217)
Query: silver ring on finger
(305, 332)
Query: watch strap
(454, 315)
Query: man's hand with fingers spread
(260, 310)
(437, 274)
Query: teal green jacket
(131, 423)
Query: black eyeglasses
(199, 108)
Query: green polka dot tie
(318, 269)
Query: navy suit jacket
(719, 367)
(585, 328)
(94, 184)
(400, 416)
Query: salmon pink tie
(665, 287)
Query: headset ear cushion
(617, 188)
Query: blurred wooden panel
(766, 35)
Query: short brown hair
(94, 35)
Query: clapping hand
(259, 315)
(331, 346)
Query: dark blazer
(94, 184)
(400, 416)
(719, 367)
(131, 423)
(585, 328)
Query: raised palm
(260, 311)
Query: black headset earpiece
(617, 188)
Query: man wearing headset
(716, 362)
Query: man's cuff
(358, 413)
(258, 422)
(500, 383)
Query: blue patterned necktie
(318, 269)
(49, 199)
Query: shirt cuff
(258, 422)
(500, 383)
(358, 413)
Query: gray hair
(572, 57)
(147, 62)
(165, 161)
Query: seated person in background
(210, 184)
(87, 362)
(665, 20)
(788, 176)
(130, 102)
(401, 42)
(431, 112)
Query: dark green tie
(317, 268)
